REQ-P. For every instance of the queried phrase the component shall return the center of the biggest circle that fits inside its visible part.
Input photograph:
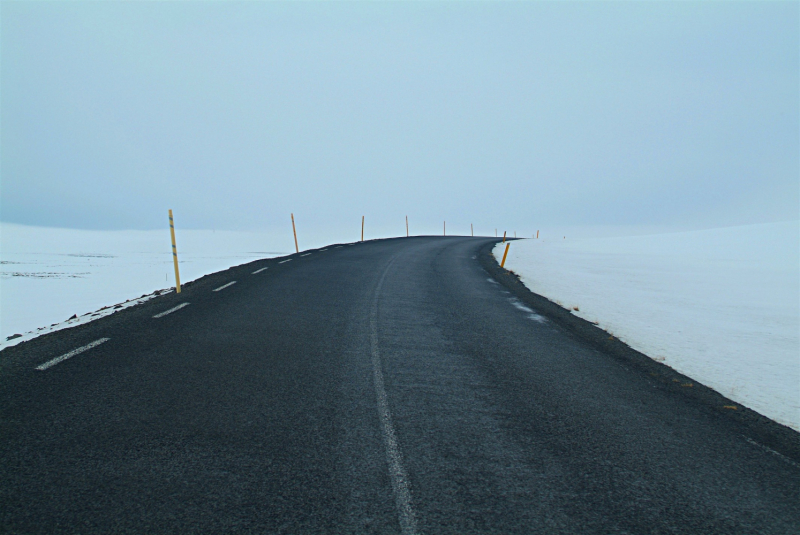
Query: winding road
(389, 386)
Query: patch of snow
(721, 306)
(48, 275)
(78, 320)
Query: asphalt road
(384, 387)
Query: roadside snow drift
(721, 306)
(47, 275)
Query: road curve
(390, 386)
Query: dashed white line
(171, 310)
(307, 254)
(259, 270)
(284, 261)
(338, 247)
(322, 250)
(71, 354)
(224, 286)
(397, 474)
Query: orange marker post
(503, 263)
(362, 228)
(174, 254)
(296, 248)
(537, 234)
(504, 236)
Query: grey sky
(502, 114)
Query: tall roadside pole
(296, 248)
(174, 254)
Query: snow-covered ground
(721, 306)
(48, 275)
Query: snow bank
(48, 275)
(721, 306)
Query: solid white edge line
(71, 354)
(259, 270)
(397, 474)
(171, 310)
(283, 262)
(224, 286)
(773, 452)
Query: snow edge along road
(755, 426)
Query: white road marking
(322, 250)
(519, 305)
(402, 492)
(531, 313)
(259, 270)
(283, 262)
(773, 452)
(71, 354)
(338, 247)
(171, 310)
(224, 286)
(307, 254)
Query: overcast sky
(503, 114)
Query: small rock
(73, 317)
(13, 336)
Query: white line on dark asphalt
(224, 286)
(322, 250)
(305, 254)
(773, 452)
(338, 247)
(71, 354)
(402, 493)
(283, 262)
(259, 270)
(171, 310)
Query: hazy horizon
(514, 116)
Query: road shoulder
(754, 426)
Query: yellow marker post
(504, 236)
(296, 248)
(362, 228)
(406, 226)
(174, 254)
(503, 263)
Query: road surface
(391, 386)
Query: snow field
(721, 306)
(48, 275)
